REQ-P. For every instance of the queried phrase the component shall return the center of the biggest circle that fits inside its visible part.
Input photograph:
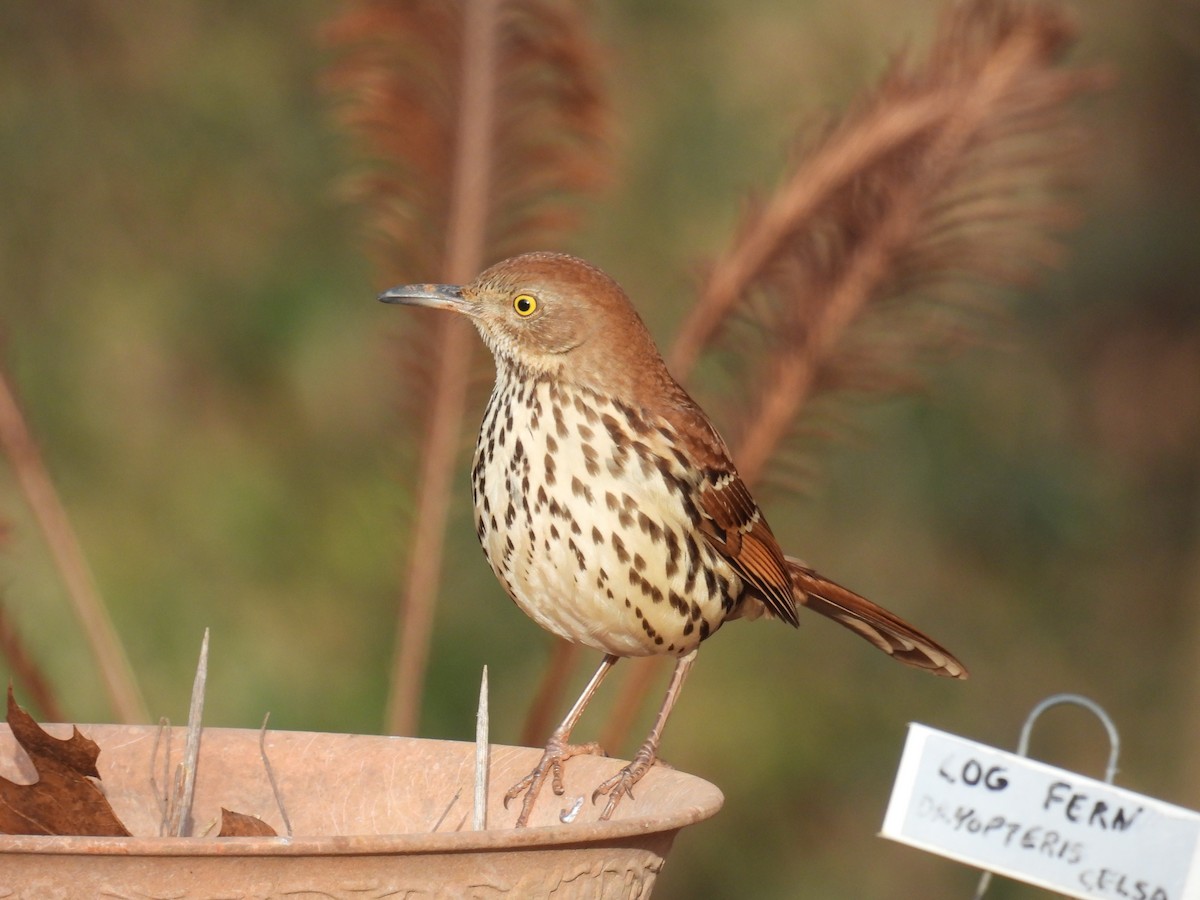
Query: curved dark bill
(433, 296)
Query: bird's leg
(622, 783)
(558, 750)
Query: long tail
(888, 632)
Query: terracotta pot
(363, 811)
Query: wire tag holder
(1025, 819)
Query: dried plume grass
(950, 179)
(483, 120)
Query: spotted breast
(590, 522)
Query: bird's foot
(621, 784)
(551, 766)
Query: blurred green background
(189, 318)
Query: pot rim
(704, 800)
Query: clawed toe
(550, 766)
(621, 785)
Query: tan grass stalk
(484, 116)
(27, 671)
(23, 455)
(465, 231)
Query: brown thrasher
(607, 504)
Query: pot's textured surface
(371, 816)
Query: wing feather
(733, 524)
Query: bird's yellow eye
(525, 305)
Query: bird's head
(550, 314)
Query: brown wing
(730, 520)
(733, 524)
(887, 631)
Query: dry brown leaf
(64, 800)
(236, 824)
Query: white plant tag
(1039, 824)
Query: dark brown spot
(636, 580)
(667, 474)
(579, 489)
(636, 421)
(615, 433)
(590, 460)
(571, 545)
(619, 546)
(693, 564)
(584, 409)
(649, 526)
(672, 553)
(617, 459)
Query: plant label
(1027, 820)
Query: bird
(608, 505)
